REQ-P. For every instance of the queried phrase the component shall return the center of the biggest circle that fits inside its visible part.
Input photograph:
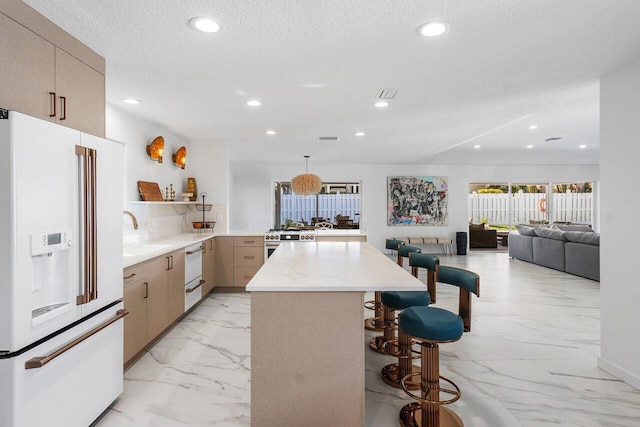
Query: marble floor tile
(530, 359)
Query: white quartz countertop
(331, 266)
(139, 252)
(339, 232)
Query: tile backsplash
(158, 220)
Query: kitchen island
(307, 331)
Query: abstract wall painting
(417, 200)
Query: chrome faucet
(133, 217)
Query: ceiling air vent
(328, 138)
(387, 93)
(555, 138)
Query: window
(338, 204)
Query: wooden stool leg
(430, 412)
(378, 343)
(393, 374)
(379, 312)
(389, 324)
(375, 323)
(430, 367)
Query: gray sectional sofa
(573, 249)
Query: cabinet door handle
(204, 248)
(249, 241)
(63, 106)
(196, 251)
(248, 277)
(171, 262)
(211, 244)
(146, 289)
(129, 276)
(52, 110)
(249, 257)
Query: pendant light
(307, 183)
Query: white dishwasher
(192, 275)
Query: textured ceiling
(317, 67)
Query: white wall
(136, 133)
(209, 164)
(251, 193)
(207, 161)
(619, 267)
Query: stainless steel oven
(272, 239)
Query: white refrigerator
(61, 310)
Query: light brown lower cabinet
(224, 261)
(135, 323)
(175, 273)
(238, 259)
(208, 267)
(154, 297)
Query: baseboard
(630, 378)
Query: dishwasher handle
(195, 252)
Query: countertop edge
(173, 243)
(250, 288)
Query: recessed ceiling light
(532, 127)
(359, 134)
(381, 104)
(432, 29)
(529, 147)
(583, 146)
(476, 146)
(205, 25)
(131, 101)
(254, 103)
(270, 132)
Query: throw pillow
(550, 234)
(574, 227)
(526, 230)
(588, 238)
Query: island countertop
(331, 266)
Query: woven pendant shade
(307, 183)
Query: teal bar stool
(432, 264)
(430, 326)
(378, 343)
(404, 251)
(393, 373)
(393, 301)
(468, 282)
(376, 323)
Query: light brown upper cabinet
(80, 95)
(27, 64)
(42, 75)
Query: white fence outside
(566, 207)
(303, 208)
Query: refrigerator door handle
(88, 225)
(93, 294)
(39, 362)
